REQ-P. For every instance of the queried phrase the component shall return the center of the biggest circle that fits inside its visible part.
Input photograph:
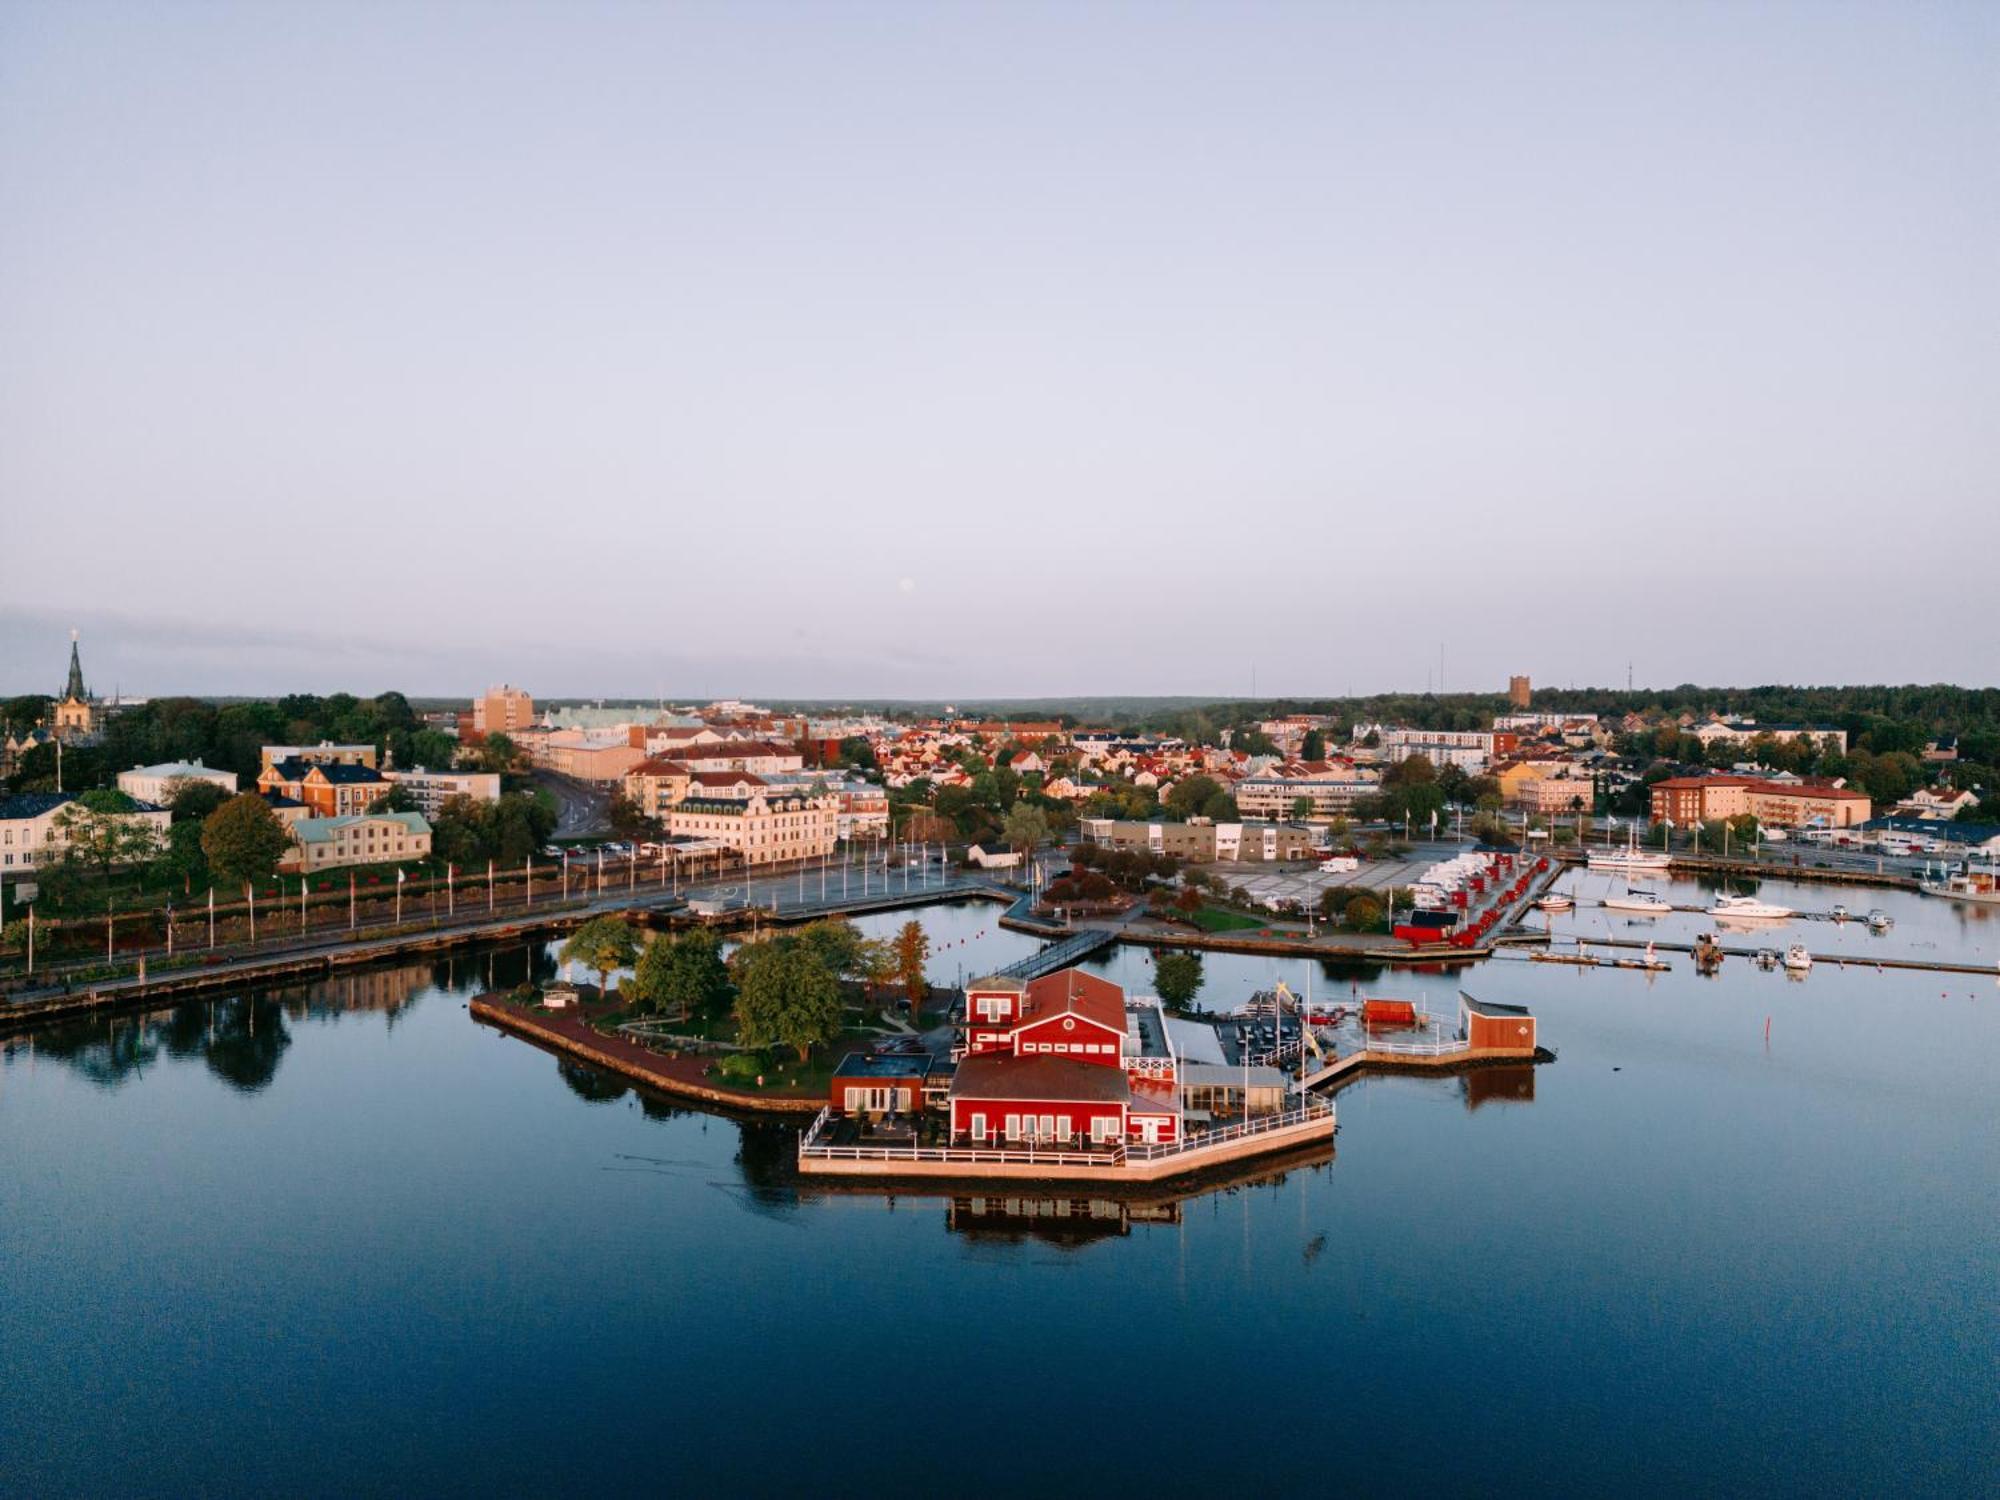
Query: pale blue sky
(925, 349)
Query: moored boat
(1797, 959)
(1970, 884)
(1747, 909)
(1637, 899)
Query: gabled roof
(999, 1075)
(32, 804)
(1073, 992)
(343, 774)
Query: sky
(936, 350)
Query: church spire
(75, 692)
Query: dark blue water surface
(340, 1240)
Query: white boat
(1767, 958)
(1646, 903)
(1969, 884)
(1880, 921)
(1555, 902)
(1839, 913)
(1797, 959)
(1632, 858)
(1747, 909)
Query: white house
(155, 784)
(32, 834)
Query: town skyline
(181, 658)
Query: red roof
(1073, 992)
(1000, 1075)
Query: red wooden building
(1046, 1061)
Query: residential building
(1936, 803)
(33, 833)
(1468, 749)
(763, 827)
(325, 753)
(156, 784)
(1824, 736)
(324, 843)
(503, 710)
(1687, 800)
(1202, 842)
(432, 789)
(331, 789)
(1333, 787)
(602, 756)
(1556, 795)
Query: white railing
(1114, 1155)
(1306, 1114)
(1439, 1048)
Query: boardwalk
(1058, 956)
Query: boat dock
(1065, 954)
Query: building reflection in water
(1508, 1085)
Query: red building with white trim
(1051, 1061)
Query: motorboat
(1767, 958)
(1981, 885)
(1636, 899)
(1629, 858)
(1880, 921)
(1797, 959)
(1839, 913)
(1555, 901)
(1747, 909)
(1707, 954)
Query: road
(582, 811)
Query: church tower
(76, 712)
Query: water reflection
(1508, 1085)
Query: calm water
(340, 1240)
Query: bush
(1363, 914)
(741, 1065)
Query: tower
(1519, 692)
(76, 712)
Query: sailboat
(1638, 899)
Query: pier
(1065, 954)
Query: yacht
(1747, 909)
(1634, 899)
(1797, 959)
(1969, 884)
(1631, 857)
(1880, 921)
(1839, 913)
(1555, 901)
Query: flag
(401, 876)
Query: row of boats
(1648, 903)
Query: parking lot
(1304, 882)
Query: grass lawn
(1213, 919)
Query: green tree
(912, 951)
(1363, 914)
(1187, 796)
(836, 942)
(1026, 828)
(685, 974)
(1178, 978)
(243, 839)
(602, 945)
(628, 820)
(433, 750)
(398, 798)
(1302, 808)
(785, 996)
(99, 831)
(1313, 747)
(191, 799)
(497, 752)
